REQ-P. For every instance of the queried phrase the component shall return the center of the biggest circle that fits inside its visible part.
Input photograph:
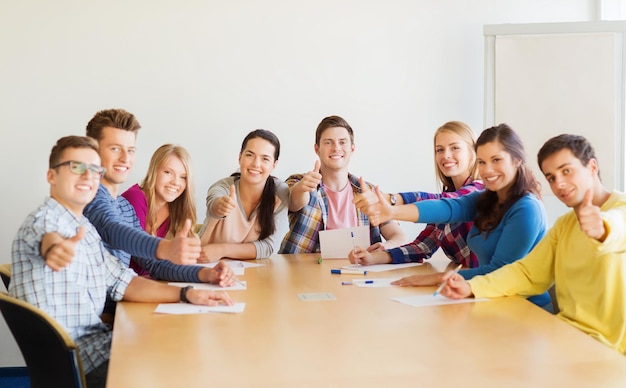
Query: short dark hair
(580, 147)
(116, 118)
(330, 122)
(70, 142)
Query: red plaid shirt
(450, 237)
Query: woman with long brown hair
(509, 217)
(247, 211)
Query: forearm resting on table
(145, 290)
(393, 234)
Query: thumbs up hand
(590, 218)
(382, 211)
(312, 178)
(183, 249)
(60, 254)
(378, 212)
(366, 198)
(301, 191)
(224, 205)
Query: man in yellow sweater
(584, 254)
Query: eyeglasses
(79, 168)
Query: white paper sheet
(239, 285)
(380, 267)
(238, 266)
(313, 296)
(337, 243)
(432, 300)
(186, 308)
(243, 263)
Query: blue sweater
(122, 235)
(519, 230)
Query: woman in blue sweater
(509, 217)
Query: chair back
(5, 274)
(51, 355)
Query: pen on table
(347, 272)
(234, 277)
(353, 243)
(238, 281)
(443, 284)
(351, 283)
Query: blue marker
(351, 283)
(353, 243)
(347, 272)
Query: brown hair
(116, 118)
(70, 142)
(580, 147)
(330, 122)
(489, 212)
(268, 197)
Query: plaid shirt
(450, 237)
(305, 224)
(75, 295)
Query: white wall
(536, 69)
(204, 73)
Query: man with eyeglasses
(74, 292)
(79, 168)
(115, 218)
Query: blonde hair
(469, 137)
(182, 207)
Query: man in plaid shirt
(72, 288)
(322, 198)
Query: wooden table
(361, 339)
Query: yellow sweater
(590, 276)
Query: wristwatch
(183, 294)
(392, 200)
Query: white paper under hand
(239, 285)
(431, 300)
(187, 308)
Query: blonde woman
(455, 166)
(164, 200)
(509, 217)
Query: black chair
(555, 303)
(51, 355)
(5, 274)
